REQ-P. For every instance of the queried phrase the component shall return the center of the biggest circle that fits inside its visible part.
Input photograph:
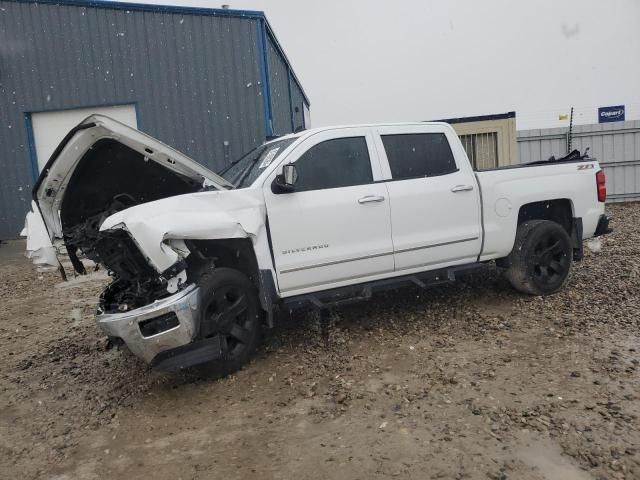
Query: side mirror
(285, 182)
(290, 174)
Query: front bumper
(126, 325)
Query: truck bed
(573, 157)
(505, 190)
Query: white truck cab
(200, 260)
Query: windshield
(244, 171)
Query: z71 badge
(588, 166)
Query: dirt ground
(466, 381)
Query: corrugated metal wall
(280, 98)
(297, 104)
(286, 95)
(615, 145)
(195, 80)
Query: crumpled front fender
(201, 216)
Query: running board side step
(341, 298)
(355, 293)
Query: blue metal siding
(264, 79)
(287, 95)
(279, 83)
(194, 75)
(297, 106)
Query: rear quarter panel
(505, 191)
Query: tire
(230, 308)
(540, 261)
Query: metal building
(489, 140)
(212, 83)
(615, 145)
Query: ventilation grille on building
(482, 149)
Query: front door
(335, 228)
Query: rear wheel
(540, 261)
(230, 308)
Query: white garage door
(49, 128)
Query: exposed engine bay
(165, 228)
(112, 177)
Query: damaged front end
(155, 329)
(152, 313)
(100, 187)
(103, 169)
(135, 283)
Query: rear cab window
(418, 155)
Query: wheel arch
(239, 254)
(559, 210)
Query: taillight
(601, 186)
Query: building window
(482, 149)
(418, 155)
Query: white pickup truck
(199, 260)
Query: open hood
(103, 166)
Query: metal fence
(615, 145)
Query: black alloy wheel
(540, 261)
(550, 260)
(230, 308)
(227, 313)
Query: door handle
(462, 188)
(371, 198)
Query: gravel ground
(465, 381)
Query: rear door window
(416, 155)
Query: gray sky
(373, 61)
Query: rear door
(435, 203)
(335, 229)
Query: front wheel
(229, 308)
(540, 261)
